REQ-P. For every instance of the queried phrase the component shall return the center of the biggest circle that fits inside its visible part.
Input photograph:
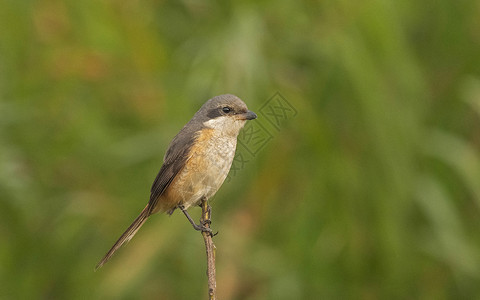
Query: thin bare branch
(210, 250)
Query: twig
(210, 249)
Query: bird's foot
(198, 227)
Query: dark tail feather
(126, 236)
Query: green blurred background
(371, 191)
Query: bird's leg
(198, 227)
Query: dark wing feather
(175, 159)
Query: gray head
(226, 113)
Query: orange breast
(206, 168)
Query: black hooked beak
(250, 115)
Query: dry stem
(210, 250)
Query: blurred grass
(370, 192)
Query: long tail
(126, 236)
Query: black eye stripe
(220, 111)
(214, 113)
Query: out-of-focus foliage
(371, 191)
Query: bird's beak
(249, 115)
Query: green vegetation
(371, 191)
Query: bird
(196, 163)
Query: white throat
(228, 125)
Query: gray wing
(175, 159)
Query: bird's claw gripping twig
(199, 227)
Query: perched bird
(196, 163)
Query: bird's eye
(226, 109)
